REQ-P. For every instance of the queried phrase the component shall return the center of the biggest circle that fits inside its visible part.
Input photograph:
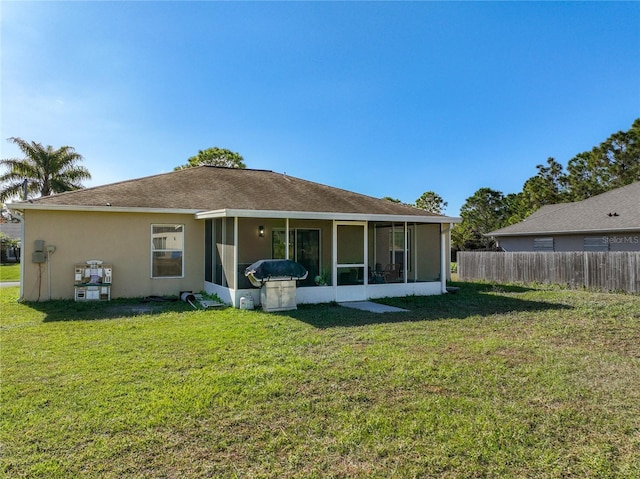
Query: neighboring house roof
(12, 230)
(215, 190)
(615, 210)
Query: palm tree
(43, 170)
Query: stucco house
(199, 228)
(10, 231)
(606, 222)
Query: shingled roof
(615, 210)
(209, 188)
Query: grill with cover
(266, 270)
(276, 279)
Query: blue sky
(383, 98)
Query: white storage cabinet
(278, 295)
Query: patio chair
(392, 273)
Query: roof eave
(241, 213)
(313, 215)
(567, 232)
(99, 209)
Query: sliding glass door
(304, 248)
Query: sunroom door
(350, 246)
(308, 253)
(304, 248)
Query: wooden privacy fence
(605, 271)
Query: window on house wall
(596, 243)
(279, 244)
(543, 244)
(396, 246)
(167, 251)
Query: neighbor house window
(543, 244)
(167, 248)
(596, 243)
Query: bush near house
(495, 381)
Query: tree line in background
(428, 201)
(612, 164)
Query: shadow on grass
(68, 310)
(473, 299)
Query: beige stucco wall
(252, 247)
(120, 239)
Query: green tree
(431, 201)
(621, 153)
(612, 164)
(549, 183)
(43, 171)
(463, 238)
(548, 187)
(516, 208)
(587, 176)
(215, 157)
(481, 213)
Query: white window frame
(165, 249)
(405, 250)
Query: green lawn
(10, 272)
(491, 382)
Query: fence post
(585, 279)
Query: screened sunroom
(347, 259)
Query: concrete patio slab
(372, 307)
